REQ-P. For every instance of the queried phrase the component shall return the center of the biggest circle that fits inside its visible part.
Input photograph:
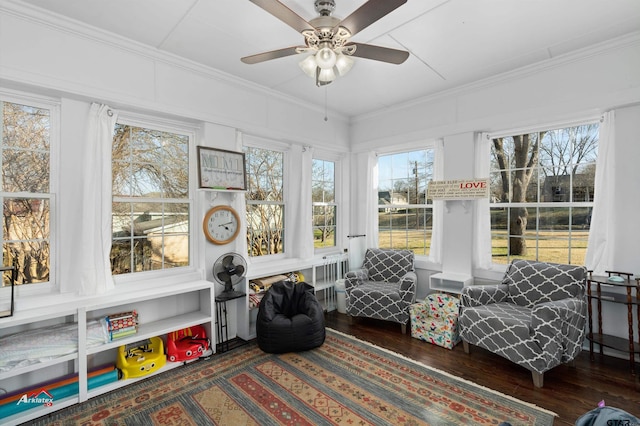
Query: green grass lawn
(551, 246)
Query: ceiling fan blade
(367, 14)
(273, 54)
(284, 14)
(378, 53)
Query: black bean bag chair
(290, 319)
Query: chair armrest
(353, 278)
(419, 309)
(572, 311)
(408, 287)
(559, 327)
(477, 295)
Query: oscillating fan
(229, 270)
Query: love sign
(458, 189)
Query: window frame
(183, 128)
(53, 106)
(337, 188)
(570, 205)
(415, 147)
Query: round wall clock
(221, 224)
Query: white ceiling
(452, 42)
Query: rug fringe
(444, 373)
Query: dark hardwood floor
(568, 391)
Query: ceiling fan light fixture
(326, 58)
(343, 64)
(326, 75)
(308, 65)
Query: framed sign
(458, 189)
(221, 169)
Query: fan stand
(229, 295)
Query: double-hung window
(542, 192)
(25, 189)
(325, 208)
(405, 215)
(265, 201)
(151, 199)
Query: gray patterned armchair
(384, 288)
(536, 317)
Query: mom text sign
(468, 189)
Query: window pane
(556, 188)
(121, 261)
(265, 201)
(554, 247)
(27, 235)
(264, 174)
(149, 165)
(500, 220)
(265, 229)
(323, 200)
(583, 182)
(324, 226)
(553, 219)
(581, 219)
(26, 169)
(499, 247)
(402, 184)
(25, 148)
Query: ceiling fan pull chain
(325, 104)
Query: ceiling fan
(327, 38)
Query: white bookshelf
(162, 308)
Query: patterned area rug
(344, 382)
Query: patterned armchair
(536, 317)
(384, 288)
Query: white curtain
(435, 251)
(95, 227)
(367, 199)
(601, 244)
(481, 214)
(301, 208)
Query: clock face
(221, 225)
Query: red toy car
(187, 344)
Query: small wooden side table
(630, 298)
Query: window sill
(56, 302)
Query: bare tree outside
(25, 191)
(529, 170)
(265, 201)
(150, 170)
